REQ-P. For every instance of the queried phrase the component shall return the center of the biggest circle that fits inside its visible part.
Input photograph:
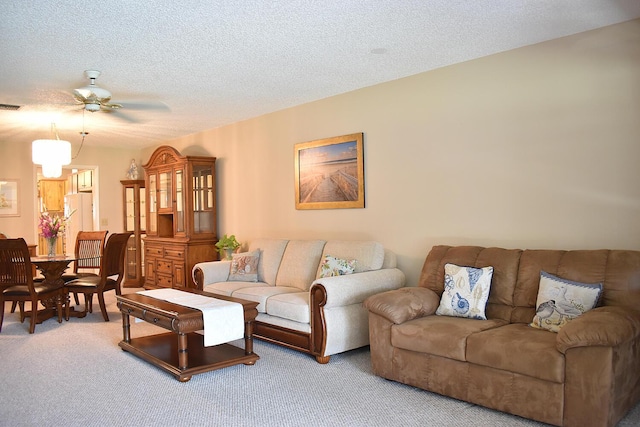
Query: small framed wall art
(9, 202)
(329, 173)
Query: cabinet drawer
(174, 253)
(153, 251)
(163, 266)
(164, 281)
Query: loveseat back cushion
(271, 251)
(300, 263)
(617, 270)
(368, 255)
(505, 272)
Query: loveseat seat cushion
(271, 251)
(440, 335)
(299, 264)
(518, 348)
(368, 255)
(261, 294)
(293, 306)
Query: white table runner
(223, 320)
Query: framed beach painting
(329, 173)
(9, 205)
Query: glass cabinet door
(153, 211)
(203, 199)
(179, 201)
(164, 191)
(143, 211)
(129, 209)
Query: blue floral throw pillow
(466, 291)
(560, 301)
(332, 266)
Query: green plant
(227, 242)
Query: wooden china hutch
(181, 217)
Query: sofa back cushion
(271, 251)
(516, 275)
(368, 255)
(505, 272)
(300, 263)
(617, 270)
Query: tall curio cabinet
(181, 217)
(135, 220)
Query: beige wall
(532, 148)
(111, 166)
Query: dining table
(52, 268)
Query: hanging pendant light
(52, 154)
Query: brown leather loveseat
(586, 374)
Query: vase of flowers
(52, 227)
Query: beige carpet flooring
(74, 373)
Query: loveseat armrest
(403, 304)
(603, 326)
(355, 288)
(208, 272)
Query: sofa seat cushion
(228, 288)
(293, 306)
(261, 294)
(440, 335)
(518, 348)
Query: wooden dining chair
(110, 278)
(16, 282)
(88, 244)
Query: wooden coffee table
(181, 352)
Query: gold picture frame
(9, 197)
(329, 173)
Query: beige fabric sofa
(587, 374)
(297, 308)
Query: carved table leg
(126, 328)
(183, 356)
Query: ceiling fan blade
(120, 115)
(142, 105)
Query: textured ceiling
(211, 63)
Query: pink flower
(52, 226)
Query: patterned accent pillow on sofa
(332, 266)
(466, 291)
(560, 301)
(244, 267)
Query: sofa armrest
(602, 326)
(355, 288)
(205, 273)
(404, 304)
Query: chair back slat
(15, 263)
(89, 244)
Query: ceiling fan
(95, 98)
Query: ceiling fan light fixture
(92, 107)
